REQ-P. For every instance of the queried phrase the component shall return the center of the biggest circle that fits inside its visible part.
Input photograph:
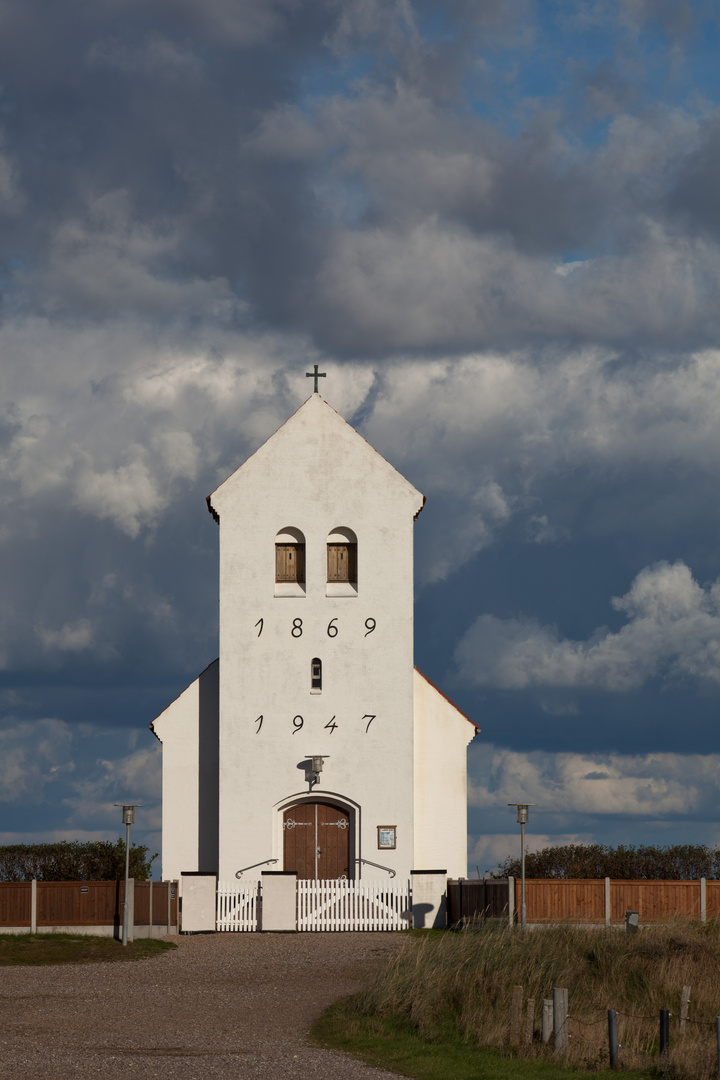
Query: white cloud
(486, 852)
(496, 434)
(650, 786)
(128, 495)
(673, 631)
(29, 756)
(74, 637)
(476, 522)
(86, 769)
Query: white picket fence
(322, 905)
(353, 905)
(237, 905)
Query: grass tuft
(41, 949)
(455, 989)
(391, 1045)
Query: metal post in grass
(613, 1037)
(560, 1017)
(522, 817)
(664, 1032)
(128, 817)
(684, 1008)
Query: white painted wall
(315, 474)
(188, 730)
(226, 777)
(442, 734)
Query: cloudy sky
(496, 225)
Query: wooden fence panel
(624, 896)
(497, 898)
(15, 903)
(475, 898)
(85, 903)
(550, 900)
(159, 893)
(76, 903)
(142, 903)
(655, 900)
(160, 903)
(712, 899)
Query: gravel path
(222, 1005)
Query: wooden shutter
(342, 562)
(290, 562)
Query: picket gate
(353, 905)
(322, 905)
(237, 905)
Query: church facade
(313, 744)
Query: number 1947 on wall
(298, 723)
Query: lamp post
(128, 817)
(522, 817)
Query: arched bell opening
(342, 562)
(290, 562)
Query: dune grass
(454, 990)
(40, 949)
(443, 1055)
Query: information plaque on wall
(386, 836)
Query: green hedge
(675, 862)
(73, 860)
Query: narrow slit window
(316, 674)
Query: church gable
(313, 445)
(426, 691)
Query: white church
(313, 744)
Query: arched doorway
(316, 841)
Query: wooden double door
(316, 841)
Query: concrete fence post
(530, 1021)
(279, 900)
(547, 1019)
(429, 899)
(608, 907)
(703, 900)
(33, 906)
(511, 901)
(198, 902)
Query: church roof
(316, 418)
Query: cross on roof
(316, 375)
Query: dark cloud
(496, 227)
(694, 198)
